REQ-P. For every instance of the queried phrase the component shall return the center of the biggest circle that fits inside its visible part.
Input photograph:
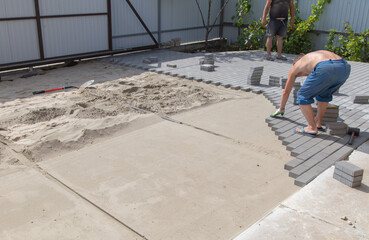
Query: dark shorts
(277, 27)
(326, 78)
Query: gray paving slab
(308, 176)
(231, 69)
(293, 163)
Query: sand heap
(41, 126)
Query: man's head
(297, 58)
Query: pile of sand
(40, 126)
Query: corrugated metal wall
(354, 11)
(72, 27)
(179, 14)
(335, 14)
(64, 29)
(18, 38)
(166, 19)
(257, 8)
(73, 35)
(127, 30)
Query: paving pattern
(311, 155)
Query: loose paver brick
(293, 163)
(349, 168)
(298, 142)
(308, 176)
(291, 139)
(348, 176)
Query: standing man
(326, 72)
(278, 16)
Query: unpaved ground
(41, 126)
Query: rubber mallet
(353, 132)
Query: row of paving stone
(312, 155)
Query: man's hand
(263, 21)
(278, 112)
(292, 25)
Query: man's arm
(292, 75)
(266, 10)
(292, 13)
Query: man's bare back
(307, 63)
(321, 83)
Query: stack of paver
(255, 75)
(208, 59)
(348, 174)
(207, 67)
(283, 81)
(336, 128)
(274, 81)
(207, 63)
(150, 60)
(330, 115)
(361, 99)
(296, 88)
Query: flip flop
(304, 133)
(321, 129)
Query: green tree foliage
(243, 8)
(208, 25)
(298, 40)
(252, 36)
(351, 46)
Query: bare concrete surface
(250, 121)
(33, 207)
(318, 210)
(172, 181)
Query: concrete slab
(285, 223)
(316, 211)
(255, 134)
(34, 207)
(171, 181)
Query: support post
(110, 32)
(221, 24)
(142, 22)
(159, 22)
(39, 30)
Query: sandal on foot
(269, 58)
(283, 58)
(321, 129)
(304, 133)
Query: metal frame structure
(43, 60)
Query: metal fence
(43, 31)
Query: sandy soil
(42, 126)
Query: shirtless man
(326, 72)
(277, 24)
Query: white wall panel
(74, 35)
(124, 21)
(16, 8)
(63, 7)
(178, 14)
(18, 41)
(257, 8)
(338, 11)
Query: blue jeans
(326, 78)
